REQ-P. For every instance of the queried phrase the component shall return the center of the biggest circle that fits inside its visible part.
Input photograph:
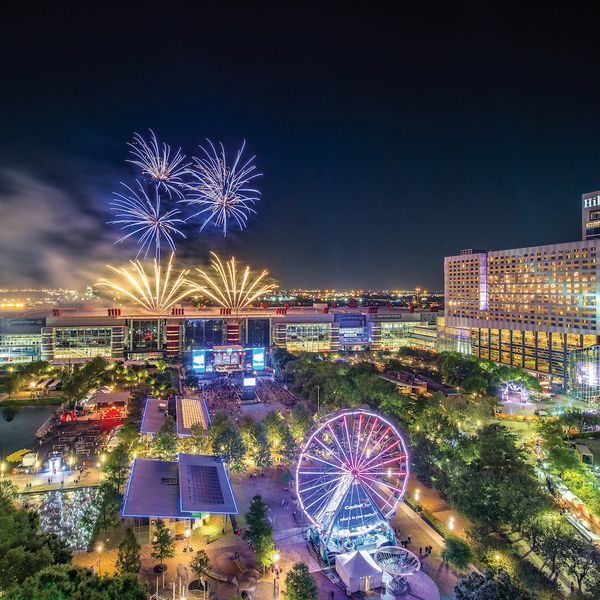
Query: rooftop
(197, 483)
(155, 411)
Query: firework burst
(156, 292)
(231, 287)
(143, 219)
(222, 192)
(156, 163)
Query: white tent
(358, 571)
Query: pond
(18, 426)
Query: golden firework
(156, 291)
(231, 287)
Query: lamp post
(99, 549)
(98, 465)
(187, 534)
(2, 467)
(276, 558)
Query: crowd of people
(222, 394)
(272, 392)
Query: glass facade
(584, 373)
(308, 337)
(20, 348)
(83, 342)
(145, 335)
(256, 333)
(204, 333)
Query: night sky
(388, 137)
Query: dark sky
(388, 136)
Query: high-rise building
(534, 307)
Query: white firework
(143, 220)
(156, 163)
(222, 192)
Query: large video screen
(199, 361)
(258, 359)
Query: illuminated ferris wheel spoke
(330, 453)
(381, 439)
(381, 482)
(348, 463)
(313, 487)
(321, 460)
(360, 420)
(352, 457)
(366, 444)
(322, 499)
(378, 494)
(321, 495)
(381, 454)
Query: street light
(451, 523)
(417, 494)
(2, 467)
(99, 549)
(187, 534)
(98, 465)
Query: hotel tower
(534, 307)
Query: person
(420, 550)
(409, 539)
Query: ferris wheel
(351, 473)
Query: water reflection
(9, 413)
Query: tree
(61, 553)
(274, 425)
(200, 564)
(67, 582)
(117, 465)
(300, 421)
(300, 584)
(582, 560)
(162, 545)
(562, 459)
(457, 552)
(288, 449)
(490, 587)
(265, 549)
(227, 442)
(261, 453)
(164, 445)
(8, 491)
(553, 541)
(128, 557)
(256, 520)
(13, 383)
(491, 487)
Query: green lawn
(32, 402)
